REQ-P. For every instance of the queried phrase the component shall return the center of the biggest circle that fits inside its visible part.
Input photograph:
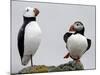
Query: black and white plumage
(29, 36)
(76, 43)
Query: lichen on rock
(70, 66)
(34, 69)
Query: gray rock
(70, 66)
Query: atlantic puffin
(76, 43)
(29, 36)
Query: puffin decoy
(29, 36)
(76, 43)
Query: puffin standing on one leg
(29, 36)
(76, 42)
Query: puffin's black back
(21, 40)
(21, 35)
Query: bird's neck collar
(28, 19)
(80, 32)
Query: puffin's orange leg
(67, 55)
(78, 59)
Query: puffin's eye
(77, 24)
(27, 10)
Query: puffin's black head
(77, 27)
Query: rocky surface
(70, 66)
(34, 69)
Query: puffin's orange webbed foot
(67, 55)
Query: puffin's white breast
(32, 38)
(77, 45)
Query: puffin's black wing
(89, 43)
(66, 36)
(21, 41)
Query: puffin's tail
(25, 59)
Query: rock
(34, 69)
(70, 66)
(50, 68)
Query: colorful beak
(72, 28)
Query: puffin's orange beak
(72, 28)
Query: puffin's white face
(31, 12)
(77, 26)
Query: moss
(35, 69)
(40, 68)
(70, 66)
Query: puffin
(29, 36)
(76, 42)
